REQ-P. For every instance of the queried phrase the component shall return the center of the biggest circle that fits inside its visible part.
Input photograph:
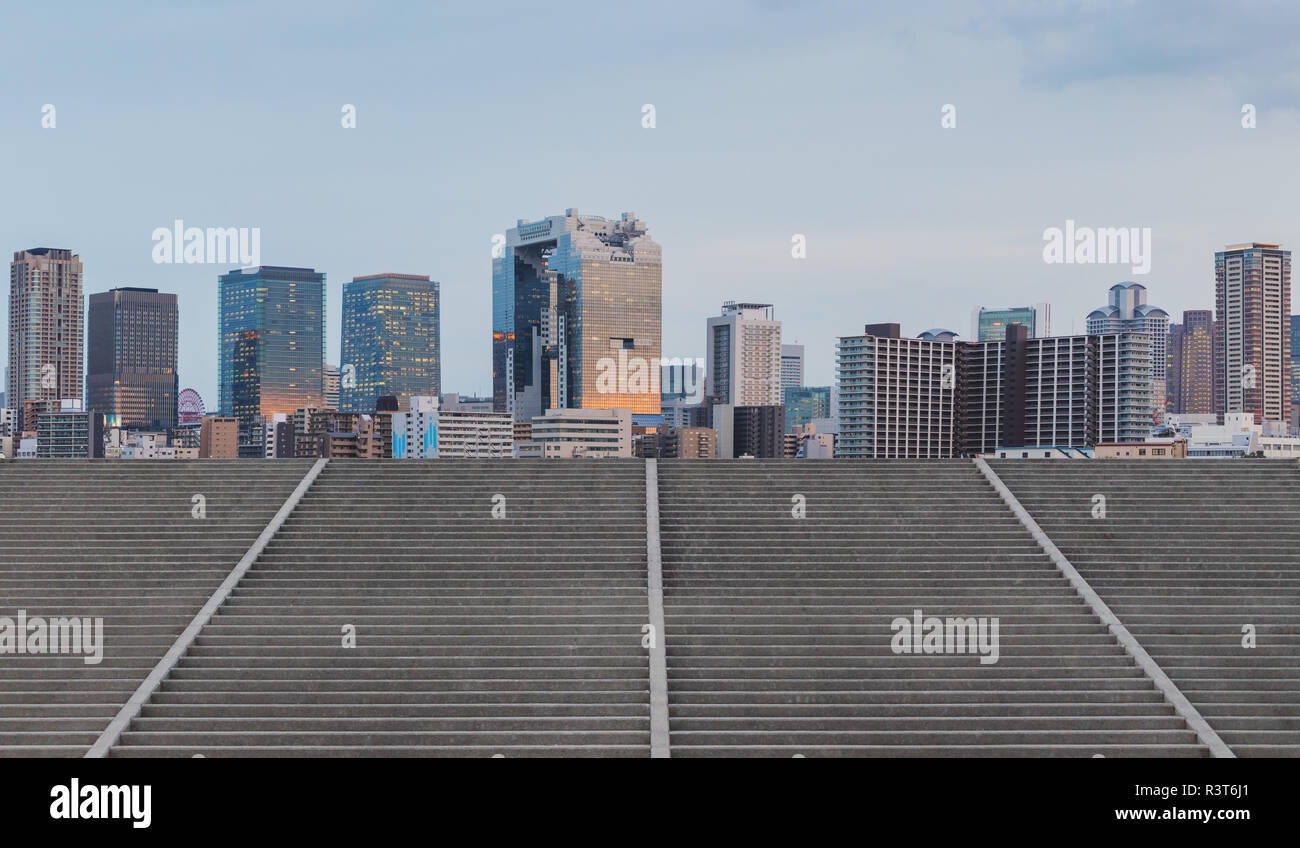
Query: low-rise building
(590, 433)
(1174, 449)
(219, 437)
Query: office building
(587, 433)
(791, 366)
(576, 317)
(45, 330)
(806, 403)
(1191, 373)
(990, 325)
(131, 374)
(743, 355)
(391, 331)
(270, 342)
(454, 402)
(1128, 311)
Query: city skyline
(762, 135)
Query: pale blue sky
(774, 118)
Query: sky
(772, 119)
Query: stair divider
(131, 709)
(659, 746)
(1195, 721)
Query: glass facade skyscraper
(576, 316)
(270, 341)
(990, 325)
(131, 358)
(804, 404)
(391, 332)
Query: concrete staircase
(1189, 552)
(115, 540)
(778, 628)
(474, 635)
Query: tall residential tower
(1252, 339)
(1129, 312)
(45, 330)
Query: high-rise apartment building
(576, 316)
(897, 396)
(391, 346)
(1128, 312)
(45, 330)
(791, 366)
(990, 325)
(1060, 391)
(1191, 375)
(66, 430)
(131, 374)
(1252, 339)
(270, 342)
(922, 398)
(742, 355)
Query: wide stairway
(117, 541)
(395, 614)
(1192, 556)
(778, 628)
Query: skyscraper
(131, 358)
(1191, 364)
(45, 330)
(576, 316)
(1252, 340)
(1129, 312)
(272, 319)
(990, 325)
(791, 366)
(391, 332)
(742, 354)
